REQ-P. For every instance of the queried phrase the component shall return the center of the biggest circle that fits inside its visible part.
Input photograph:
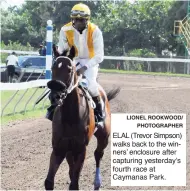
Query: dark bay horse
(73, 124)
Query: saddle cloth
(83, 86)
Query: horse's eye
(69, 70)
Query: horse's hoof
(73, 187)
(96, 188)
(97, 184)
(49, 185)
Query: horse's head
(63, 74)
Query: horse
(73, 123)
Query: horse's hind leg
(55, 162)
(102, 142)
(76, 169)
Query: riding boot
(51, 108)
(99, 110)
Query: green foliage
(141, 53)
(14, 46)
(139, 65)
(146, 25)
(17, 46)
(134, 26)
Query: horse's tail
(113, 93)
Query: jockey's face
(79, 24)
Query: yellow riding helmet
(80, 11)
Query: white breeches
(91, 76)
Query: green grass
(21, 116)
(31, 111)
(143, 73)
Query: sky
(7, 3)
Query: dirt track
(26, 146)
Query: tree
(141, 25)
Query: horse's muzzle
(56, 85)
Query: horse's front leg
(55, 162)
(70, 161)
(76, 171)
(98, 154)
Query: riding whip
(42, 97)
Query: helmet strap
(73, 24)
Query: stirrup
(99, 124)
(99, 120)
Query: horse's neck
(71, 107)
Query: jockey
(87, 39)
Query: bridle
(62, 90)
(62, 94)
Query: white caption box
(148, 149)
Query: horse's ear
(55, 51)
(72, 53)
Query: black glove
(81, 70)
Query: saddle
(82, 86)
